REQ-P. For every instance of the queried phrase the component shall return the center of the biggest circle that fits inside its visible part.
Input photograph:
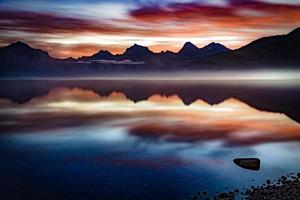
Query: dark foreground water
(76, 144)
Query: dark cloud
(239, 12)
(51, 23)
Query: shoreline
(285, 187)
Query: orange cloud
(76, 50)
(234, 25)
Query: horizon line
(148, 47)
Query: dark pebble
(285, 188)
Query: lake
(143, 139)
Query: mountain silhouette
(101, 55)
(282, 46)
(282, 51)
(275, 52)
(213, 49)
(137, 52)
(19, 59)
(189, 50)
(20, 49)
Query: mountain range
(274, 52)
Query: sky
(81, 28)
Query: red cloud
(51, 23)
(234, 25)
(232, 15)
(179, 11)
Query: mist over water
(231, 77)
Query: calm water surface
(78, 144)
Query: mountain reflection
(159, 117)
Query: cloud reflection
(158, 118)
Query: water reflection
(75, 144)
(264, 95)
(159, 117)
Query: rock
(288, 189)
(248, 163)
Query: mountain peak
(139, 47)
(188, 49)
(216, 45)
(104, 52)
(137, 51)
(295, 31)
(214, 48)
(22, 49)
(189, 45)
(19, 44)
(213, 44)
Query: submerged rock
(248, 163)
